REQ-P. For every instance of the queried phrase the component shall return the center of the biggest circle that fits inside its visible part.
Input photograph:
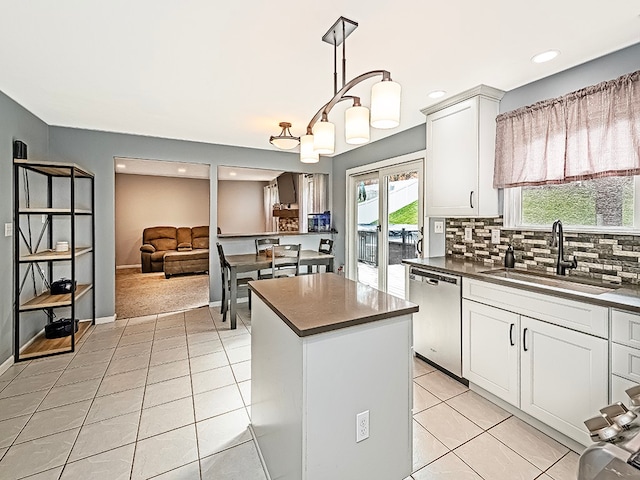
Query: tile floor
(168, 397)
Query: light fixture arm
(340, 95)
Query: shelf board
(54, 169)
(53, 211)
(46, 255)
(47, 346)
(46, 300)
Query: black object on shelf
(60, 328)
(64, 285)
(509, 258)
(19, 150)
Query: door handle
(511, 334)
(471, 198)
(524, 340)
(419, 246)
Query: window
(601, 204)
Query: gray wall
(604, 68)
(16, 123)
(148, 201)
(241, 206)
(407, 141)
(95, 151)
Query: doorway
(385, 221)
(148, 194)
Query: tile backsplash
(608, 257)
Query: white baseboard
(6, 365)
(122, 267)
(109, 319)
(218, 303)
(260, 456)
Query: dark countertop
(626, 297)
(312, 304)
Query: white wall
(241, 206)
(148, 201)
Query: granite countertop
(625, 297)
(312, 304)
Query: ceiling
(229, 72)
(160, 168)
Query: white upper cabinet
(460, 154)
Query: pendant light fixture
(285, 140)
(385, 104)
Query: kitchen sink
(553, 282)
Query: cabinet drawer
(583, 317)
(625, 328)
(625, 361)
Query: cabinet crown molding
(480, 90)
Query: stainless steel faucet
(557, 240)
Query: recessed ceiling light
(233, 174)
(437, 94)
(545, 56)
(182, 170)
(121, 165)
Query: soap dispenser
(509, 258)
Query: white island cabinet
(324, 350)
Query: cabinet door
(564, 376)
(619, 386)
(490, 349)
(452, 160)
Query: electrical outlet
(495, 235)
(468, 234)
(362, 426)
(8, 229)
(438, 227)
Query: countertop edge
(472, 270)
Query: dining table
(252, 262)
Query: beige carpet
(139, 294)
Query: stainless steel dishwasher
(437, 327)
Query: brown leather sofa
(175, 250)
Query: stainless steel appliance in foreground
(437, 325)
(616, 456)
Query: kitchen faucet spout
(557, 240)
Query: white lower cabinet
(490, 349)
(563, 376)
(556, 375)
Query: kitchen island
(325, 349)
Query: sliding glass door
(387, 218)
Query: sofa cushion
(162, 238)
(147, 248)
(158, 256)
(183, 235)
(184, 247)
(200, 237)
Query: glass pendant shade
(324, 138)
(356, 125)
(385, 104)
(307, 155)
(285, 143)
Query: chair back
(263, 244)
(326, 246)
(223, 261)
(285, 260)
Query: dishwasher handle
(432, 278)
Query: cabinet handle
(511, 334)
(524, 339)
(471, 198)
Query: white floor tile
(216, 402)
(166, 417)
(222, 432)
(159, 454)
(110, 465)
(232, 464)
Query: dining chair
(241, 282)
(285, 260)
(262, 245)
(326, 247)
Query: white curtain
(270, 199)
(313, 196)
(590, 133)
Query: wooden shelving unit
(37, 264)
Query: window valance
(593, 132)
